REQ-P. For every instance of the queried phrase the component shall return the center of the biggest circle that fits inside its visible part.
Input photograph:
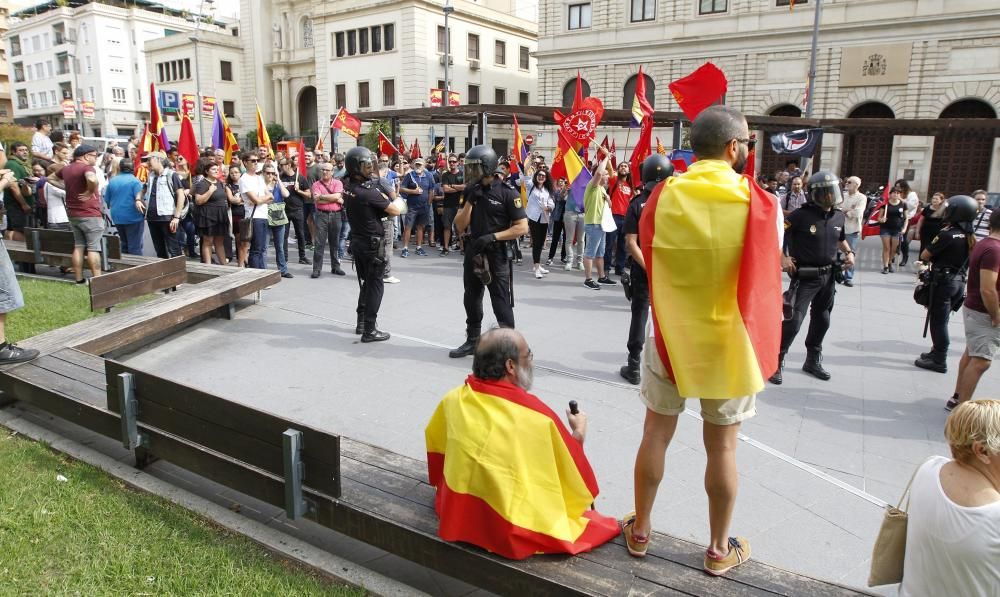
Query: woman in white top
(55, 200)
(540, 203)
(953, 529)
(912, 205)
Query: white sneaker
(568, 266)
(579, 265)
(538, 274)
(390, 280)
(543, 270)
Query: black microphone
(573, 408)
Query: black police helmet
(961, 208)
(480, 161)
(823, 189)
(654, 169)
(356, 158)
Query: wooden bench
(375, 496)
(55, 247)
(117, 287)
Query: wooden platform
(387, 502)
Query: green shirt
(20, 173)
(593, 204)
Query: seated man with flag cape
(510, 477)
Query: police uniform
(494, 209)
(366, 206)
(811, 238)
(949, 257)
(638, 281)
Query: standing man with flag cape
(709, 240)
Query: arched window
(569, 91)
(629, 92)
(307, 32)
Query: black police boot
(777, 379)
(631, 371)
(813, 366)
(932, 361)
(373, 334)
(360, 328)
(466, 349)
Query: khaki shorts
(981, 338)
(660, 395)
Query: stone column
(286, 105)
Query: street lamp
(197, 70)
(448, 9)
(77, 92)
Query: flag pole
(812, 71)
(627, 136)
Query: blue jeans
(595, 242)
(852, 241)
(345, 233)
(258, 244)
(278, 235)
(614, 250)
(131, 237)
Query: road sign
(529, 139)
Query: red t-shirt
(80, 202)
(985, 255)
(621, 196)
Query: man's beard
(525, 377)
(740, 164)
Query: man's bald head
(499, 348)
(714, 128)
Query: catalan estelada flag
(710, 241)
(510, 477)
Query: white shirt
(538, 201)
(951, 550)
(912, 204)
(854, 208)
(55, 198)
(256, 184)
(40, 143)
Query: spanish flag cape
(510, 477)
(710, 241)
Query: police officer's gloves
(479, 245)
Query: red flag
(187, 146)
(415, 149)
(614, 155)
(642, 151)
(699, 90)
(385, 146)
(577, 101)
(402, 147)
(581, 125)
(605, 144)
(301, 158)
(750, 170)
(347, 123)
(641, 109)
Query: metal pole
(197, 71)
(812, 60)
(77, 93)
(448, 9)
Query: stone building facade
(904, 59)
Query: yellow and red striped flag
(263, 139)
(510, 477)
(717, 329)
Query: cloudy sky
(223, 8)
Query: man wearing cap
(163, 205)
(83, 206)
(416, 186)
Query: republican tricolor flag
(510, 477)
(158, 134)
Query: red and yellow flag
(348, 123)
(510, 477)
(717, 326)
(263, 139)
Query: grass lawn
(92, 535)
(47, 306)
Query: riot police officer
(367, 209)
(948, 254)
(655, 169)
(813, 234)
(494, 215)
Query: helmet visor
(826, 195)
(474, 171)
